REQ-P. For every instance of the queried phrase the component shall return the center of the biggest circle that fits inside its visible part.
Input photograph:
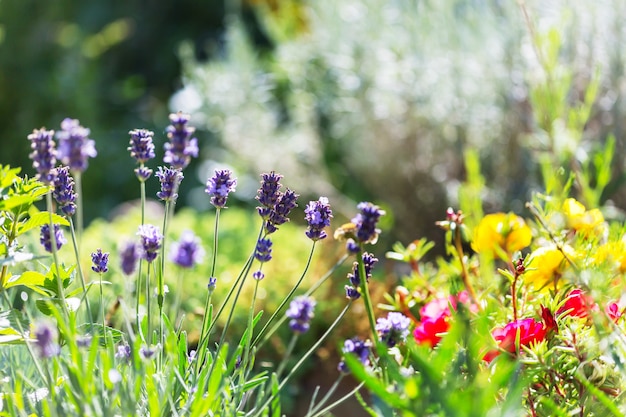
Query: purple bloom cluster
(219, 186)
(181, 146)
(170, 179)
(212, 283)
(46, 339)
(300, 312)
(151, 239)
(275, 205)
(100, 261)
(129, 255)
(258, 275)
(43, 154)
(263, 251)
(75, 147)
(280, 214)
(187, 252)
(366, 221)
(64, 190)
(45, 238)
(352, 247)
(317, 215)
(358, 348)
(123, 352)
(141, 146)
(393, 329)
(354, 277)
(368, 262)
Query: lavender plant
(82, 364)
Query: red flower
(513, 336)
(435, 316)
(577, 304)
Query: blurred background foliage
(357, 100)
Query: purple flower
(83, 341)
(181, 146)
(219, 186)
(151, 239)
(143, 173)
(170, 180)
(269, 193)
(212, 283)
(366, 221)
(263, 251)
(352, 293)
(141, 147)
(43, 154)
(128, 258)
(45, 238)
(64, 190)
(280, 213)
(75, 148)
(187, 252)
(147, 352)
(352, 247)
(300, 312)
(317, 214)
(123, 352)
(45, 335)
(358, 348)
(368, 262)
(258, 275)
(393, 329)
(100, 261)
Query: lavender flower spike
(358, 348)
(75, 147)
(128, 258)
(300, 312)
(317, 214)
(394, 329)
(45, 335)
(219, 186)
(269, 193)
(366, 221)
(64, 191)
(45, 238)
(187, 252)
(181, 146)
(151, 239)
(100, 261)
(43, 154)
(170, 180)
(141, 146)
(280, 213)
(263, 252)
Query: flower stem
(55, 257)
(458, 246)
(366, 295)
(287, 298)
(79, 204)
(304, 357)
(311, 290)
(104, 332)
(283, 363)
(204, 337)
(80, 272)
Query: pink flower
(513, 336)
(614, 311)
(435, 318)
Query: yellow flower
(501, 233)
(546, 266)
(581, 220)
(613, 253)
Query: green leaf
(8, 327)
(96, 330)
(29, 279)
(275, 404)
(8, 175)
(50, 282)
(39, 219)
